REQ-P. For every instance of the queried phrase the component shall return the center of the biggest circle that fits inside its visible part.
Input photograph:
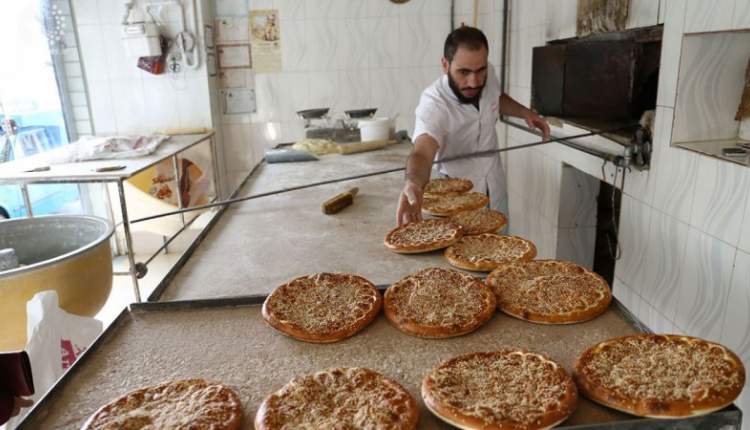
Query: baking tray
(226, 340)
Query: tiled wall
(124, 98)
(684, 230)
(347, 55)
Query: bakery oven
(600, 82)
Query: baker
(456, 115)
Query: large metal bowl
(66, 253)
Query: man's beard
(461, 98)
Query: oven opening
(599, 82)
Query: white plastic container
(374, 129)
(141, 40)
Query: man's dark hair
(469, 37)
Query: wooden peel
(335, 204)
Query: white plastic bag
(55, 340)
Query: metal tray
(226, 340)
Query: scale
(320, 125)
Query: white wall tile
(296, 46)
(385, 83)
(322, 40)
(102, 108)
(741, 19)
(548, 194)
(421, 39)
(294, 94)
(193, 103)
(92, 52)
(354, 86)
(662, 268)
(410, 86)
(292, 9)
(517, 170)
(709, 15)
(662, 11)
(735, 334)
(128, 99)
(159, 112)
(560, 19)
(671, 46)
(720, 198)
(744, 243)
(626, 296)
(463, 7)
(355, 40)
(653, 319)
(633, 234)
(642, 13)
(267, 94)
(227, 8)
(323, 91)
(705, 283)
(527, 13)
(384, 47)
(675, 182)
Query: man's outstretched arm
(418, 167)
(508, 106)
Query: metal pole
(26, 200)
(128, 242)
(178, 188)
(376, 173)
(214, 166)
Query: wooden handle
(335, 204)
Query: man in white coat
(457, 115)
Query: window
(32, 101)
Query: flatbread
(549, 291)
(448, 186)
(438, 302)
(660, 376)
(323, 308)
(486, 251)
(340, 398)
(423, 236)
(505, 389)
(478, 221)
(190, 403)
(449, 204)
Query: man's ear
(446, 64)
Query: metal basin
(66, 253)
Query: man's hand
(533, 120)
(409, 204)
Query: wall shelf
(710, 83)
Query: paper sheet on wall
(265, 38)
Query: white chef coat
(459, 128)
